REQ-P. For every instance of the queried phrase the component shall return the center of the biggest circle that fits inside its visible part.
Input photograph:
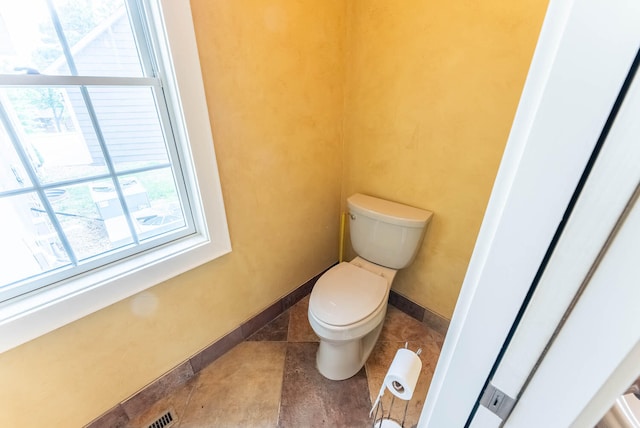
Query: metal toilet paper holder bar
(390, 423)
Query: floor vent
(163, 421)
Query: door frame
(584, 52)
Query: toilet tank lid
(387, 211)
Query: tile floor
(270, 380)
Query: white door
(584, 53)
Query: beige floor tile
(399, 326)
(240, 389)
(299, 328)
(310, 400)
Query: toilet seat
(346, 294)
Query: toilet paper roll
(403, 373)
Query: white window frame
(25, 318)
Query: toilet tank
(384, 232)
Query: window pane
(100, 38)
(30, 245)
(26, 46)
(98, 34)
(128, 118)
(104, 196)
(83, 211)
(12, 173)
(163, 213)
(55, 132)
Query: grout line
(186, 405)
(284, 367)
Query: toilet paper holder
(400, 380)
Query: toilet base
(339, 360)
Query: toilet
(348, 303)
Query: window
(98, 180)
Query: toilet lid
(346, 294)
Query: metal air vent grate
(163, 421)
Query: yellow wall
(420, 93)
(431, 90)
(273, 72)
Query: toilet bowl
(348, 303)
(347, 310)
